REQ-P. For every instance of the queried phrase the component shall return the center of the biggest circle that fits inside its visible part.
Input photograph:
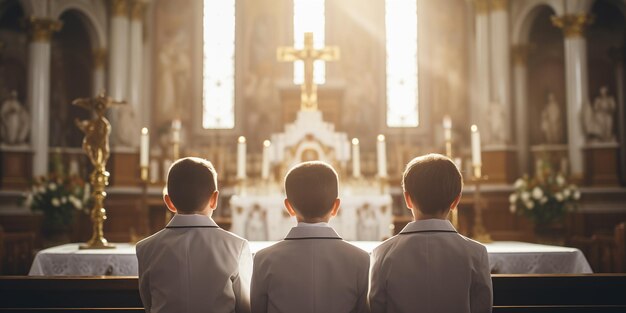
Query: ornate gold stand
(479, 232)
(99, 180)
(96, 146)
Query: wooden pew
(512, 293)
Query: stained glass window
(308, 16)
(401, 46)
(218, 92)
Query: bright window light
(218, 92)
(401, 29)
(308, 16)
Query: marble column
(577, 87)
(118, 54)
(40, 31)
(135, 57)
(99, 62)
(482, 64)
(500, 60)
(520, 79)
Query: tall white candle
(144, 148)
(241, 157)
(476, 157)
(176, 131)
(447, 128)
(381, 156)
(356, 162)
(265, 166)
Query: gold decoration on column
(96, 146)
(136, 9)
(119, 7)
(40, 29)
(479, 232)
(519, 54)
(99, 58)
(481, 6)
(501, 5)
(573, 25)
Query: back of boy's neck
(419, 216)
(312, 220)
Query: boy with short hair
(313, 269)
(193, 265)
(428, 266)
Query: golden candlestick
(479, 232)
(96, 146)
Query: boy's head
(433, 183)
(312, 190)
(191, 184)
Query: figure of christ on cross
(308, 54)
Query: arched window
(401, 47)
(308, 16)
(218, 90)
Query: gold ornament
(40, 29)
(497, 5)
(96, 146)
(481, 6)
(119, 7)
(573, 25)
(136, 9)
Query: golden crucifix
(308, 55)
(96, 146)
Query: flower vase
(551, 233)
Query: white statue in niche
(551, 121)
(125, 127)
(598, 119)
(367, 228)
(14, 121)
(256, 225)
(497, 123)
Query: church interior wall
(14, 51)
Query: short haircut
(433, 182)
(312, 188)
(190, 183)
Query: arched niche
(71, 76)
(605, 37)
(546, 71)
(606, 41)
(13, 51)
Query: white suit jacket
(312, 270)
(429, 267)
(194, 266)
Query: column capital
(519, 54)
(573, 25)
(481, 6)
(137, 8)
(499, 5)
(119, 8)
(99, 58)
(40, 29)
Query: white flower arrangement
(544, 198)
(58, 197)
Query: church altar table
(505, 257)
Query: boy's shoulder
(157, 237)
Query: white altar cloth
(505, 257)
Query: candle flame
(447, 122)
(355, 141)
(144, 131)
(241, 139)
(474, 128)
(381, 137)
(266, 143)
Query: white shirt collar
(320, 224)
(312, 232)
(429, 225)
(191, 221)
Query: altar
(505, 257)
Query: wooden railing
(512, 293)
